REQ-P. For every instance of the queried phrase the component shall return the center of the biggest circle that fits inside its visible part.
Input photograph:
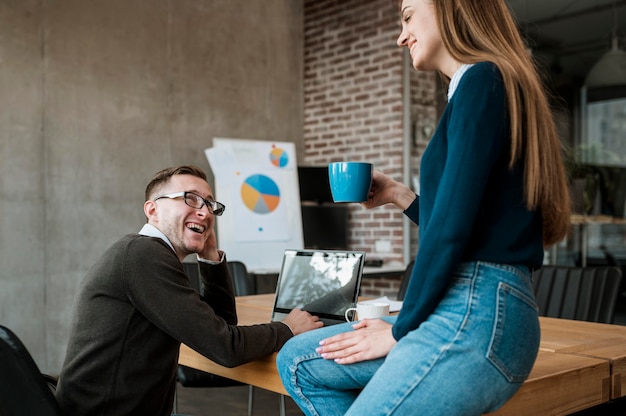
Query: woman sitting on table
(493, 195)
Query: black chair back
(244, 282)
(404, 283)
(23, 389)
(579, 293)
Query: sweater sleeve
(160, 290)
(217, 290)
(454, 178)
(412, 212)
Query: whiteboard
(258, 183)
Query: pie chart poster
(258, 183)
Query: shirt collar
(150, 230)
(454, 82)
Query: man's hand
(209, 251)
(300, 321)
(371, 339)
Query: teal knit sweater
(471, 206)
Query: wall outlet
(383, 246)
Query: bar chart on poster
(258, 183)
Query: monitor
(314, 185)
(325, 226)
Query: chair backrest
(244, 283)
(23, 390)
(580, 293)
(404, 283)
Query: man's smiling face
(186, 227)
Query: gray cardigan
(132, 311)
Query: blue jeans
(469, 357)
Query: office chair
(244, 284)
(24, 390)
(404, 283)
(579, 293)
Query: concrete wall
(97, 96)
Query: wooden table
(580, 364)
(587, 339)
(262, 373)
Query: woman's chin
(419, 65)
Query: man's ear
(150, 209)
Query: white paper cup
(368, 311)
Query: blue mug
(350, 181)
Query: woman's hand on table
(371, 339)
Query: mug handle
(347, 312)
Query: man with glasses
(136, 306)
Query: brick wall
(380, 286)
(353, 103)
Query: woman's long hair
(476, 31)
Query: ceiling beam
(577, 13)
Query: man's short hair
(162, 177)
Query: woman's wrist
(404, 197)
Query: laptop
(322, 282)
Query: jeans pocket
(516, 334)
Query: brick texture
(382, 286)
(353, 107)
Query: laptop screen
(322, 282)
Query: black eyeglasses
(196, 201)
